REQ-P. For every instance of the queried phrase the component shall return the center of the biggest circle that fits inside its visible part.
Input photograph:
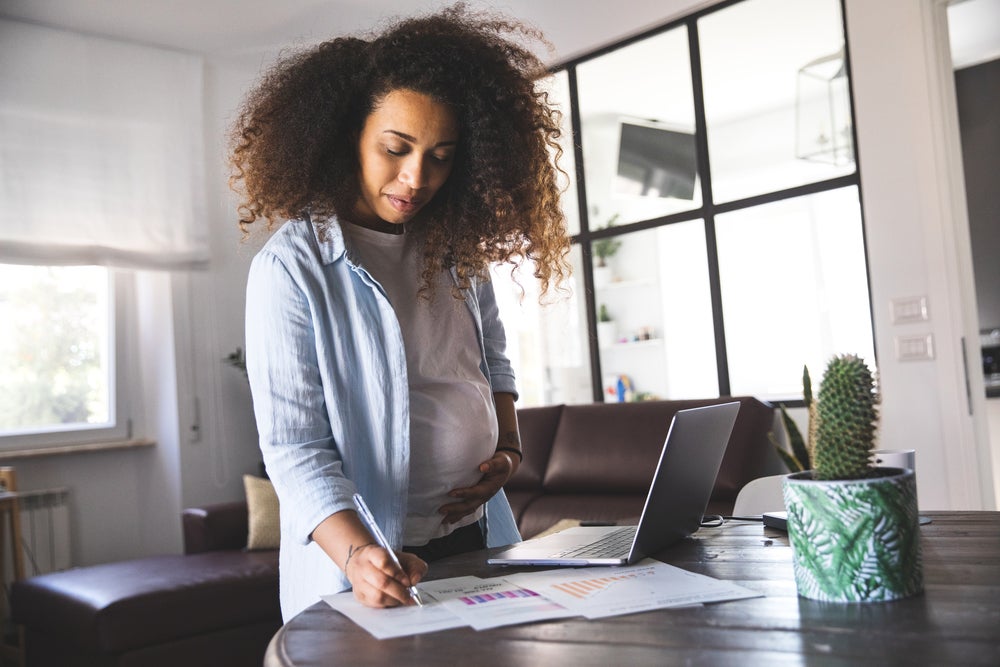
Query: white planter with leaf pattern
(855, 540)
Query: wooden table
(955, 622)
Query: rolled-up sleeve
(495, 341)
(296, 441)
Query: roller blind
(101, 152)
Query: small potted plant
(605, 327)
(853, 527)
(604, 249)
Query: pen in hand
(369, 520)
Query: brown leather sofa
(215, 605)
(595, 462)
(218, 604)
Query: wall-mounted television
(655, 161)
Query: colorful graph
(587, 588)
(482, 598)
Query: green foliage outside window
(53, 347)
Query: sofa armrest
(216, 527)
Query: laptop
(675, 503)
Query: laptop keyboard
(615, 544)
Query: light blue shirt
(327, 370)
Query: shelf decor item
(603, 249)
(606, 329)
(853, 527)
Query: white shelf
(652, 342)
(625, 284)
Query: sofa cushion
(537, 427)
(264, 528)
(115, 607)
(545, 511)
(608, 448)
(750, 453)
(612, 448)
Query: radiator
(45, 533)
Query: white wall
(918, 245)
(127, 504)
(218, 436)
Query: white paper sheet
(601, 592)
(410, 620)
(496, 602)
(534, 596)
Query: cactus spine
(846, 420)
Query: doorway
(974, 37)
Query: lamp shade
(823, 124)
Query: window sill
(39, 452)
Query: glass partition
(776, 97)
(557, 88)
(727, 296)
(637, 125)
(655, 324)
(547, 341)
(794, 290)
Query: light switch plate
(909, 309)
(915, 348)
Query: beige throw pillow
(262, 511)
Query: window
(102, 161)
(812, 248)
(636, 108)
(59, 349)
(547, 342)
(718, 241)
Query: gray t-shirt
(453, 426)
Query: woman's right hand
(376, 580)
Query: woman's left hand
(496, 472)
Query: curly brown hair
(294, 143)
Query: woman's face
(405, 153)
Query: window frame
(709, 208)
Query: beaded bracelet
(515, 450)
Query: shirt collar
(330, 240)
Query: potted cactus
(853, 527)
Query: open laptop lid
(684, 478)
(675, 503)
